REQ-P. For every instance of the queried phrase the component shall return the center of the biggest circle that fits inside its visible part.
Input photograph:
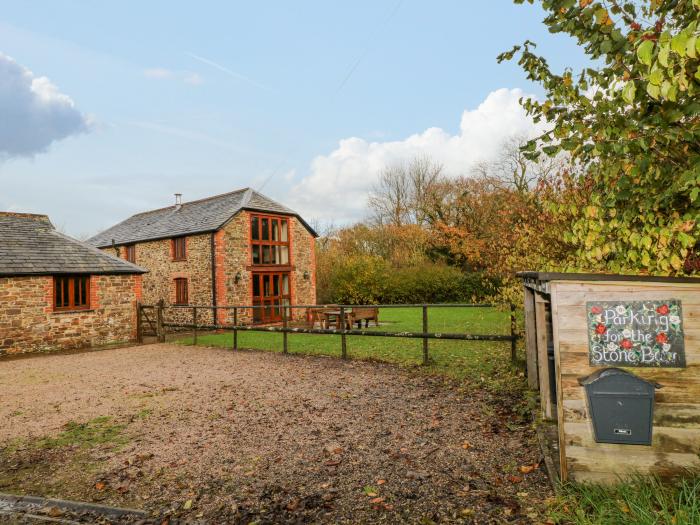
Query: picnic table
(332, 315)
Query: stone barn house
(235, 249)
(57, 293)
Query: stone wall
(28, 322)
(159, 282)
(232, 256)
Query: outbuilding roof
(30, 245)
(200, 216)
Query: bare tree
(514, 170)
(398, 198)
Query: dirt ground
(215, 436)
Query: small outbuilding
(58, 293)
(616, 360)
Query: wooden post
(194, 322)
(235, 329)
(343, 337)
(139, 327)
(531, 340)
(426, 357)
(513, 334)
(543, 360)
(160, 329)
(284, 325)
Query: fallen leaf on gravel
(467, 512)
(370, 491)
(526, 469)
(376, 500)
(514, 479)
(187, 505)
(381, 481)
(99, 485)
(388, 506)
(332, 462)
(466, 445)
(54, 512)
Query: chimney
(178, 201)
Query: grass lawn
(475, 360)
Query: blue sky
(207, 97)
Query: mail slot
(621, 406)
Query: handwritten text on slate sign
(636, 333)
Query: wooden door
(272, 291)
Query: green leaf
(656, 76)
(663, 55)
(654, 91)
(629, 92)
(644, 52)
(678, 43)
(690, 47)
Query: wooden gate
(149, 322)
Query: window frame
(72, 279)
(179, 300)
(269, 243)
(130, 253)
(174, 243)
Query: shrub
(371, 280)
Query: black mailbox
(621, 406)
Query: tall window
(179, 248)
(269, 238)
(71, 292)
(131, 253)
(181, 291)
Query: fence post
(160, 329)
(284, 326)
(235, 329)
(194, 321)
(139, 328)
(513, 329)
(343, 337)
(426, 358)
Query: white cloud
(33, 112)
(339, 182)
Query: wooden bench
(365, 314)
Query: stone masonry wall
(28, 322)
(159, 282)
(232, 256)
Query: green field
(478, 360)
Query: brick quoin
(220, 274)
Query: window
(271, 290)
(179, 248)
(181, 291)
(130, 254)
(269, 237)
(71, 292)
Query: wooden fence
(151, 322)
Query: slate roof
(30, 245)
(200, 216)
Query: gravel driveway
(211, 435)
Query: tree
(513, 169)
(397, 198)
(633, 124)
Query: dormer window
(269, 239)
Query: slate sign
(636, 333)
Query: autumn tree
(632, 121)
